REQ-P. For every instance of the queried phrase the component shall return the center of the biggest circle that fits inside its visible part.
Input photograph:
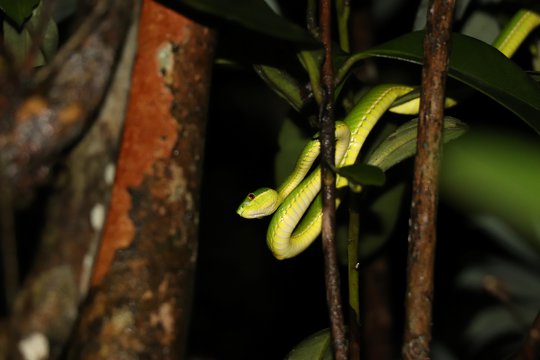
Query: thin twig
(343, 10)
(531, 347)
(328, 191)
(353, 278)
(422, 232)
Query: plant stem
(343, 9)
(354, 293)
(422, 232)
(328, 191)
(352, 253)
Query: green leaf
(50, 41)
(401, 144)
(363, 175)
(255, 15)
(19, 41)
(474, 63)
(19, 44)
(315, 347)
(282, 83)
(497, 174)
(312, 62)
(18, 10)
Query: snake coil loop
(297, 219)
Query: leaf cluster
(28, 31)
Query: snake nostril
(251, 196)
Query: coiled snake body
(292, 229)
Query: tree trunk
(45, 308)
(140, 301)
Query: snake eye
(251, 196)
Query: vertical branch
(152, 227)
(422, 233)
(531, 347)
(353, 278)
(327, 139)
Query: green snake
(297, 217)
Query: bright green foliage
(401, 144)
(315, 347)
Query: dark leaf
(282, 83)
(19, 44)
(64, 9)
(18, 10)
(255, 15)
(474, 63)
(363, 175)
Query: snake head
(260, 203)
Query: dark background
(249, 305)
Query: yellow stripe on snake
(287, 236)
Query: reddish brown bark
(140, 303)
(328, 191)
(422, 233)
